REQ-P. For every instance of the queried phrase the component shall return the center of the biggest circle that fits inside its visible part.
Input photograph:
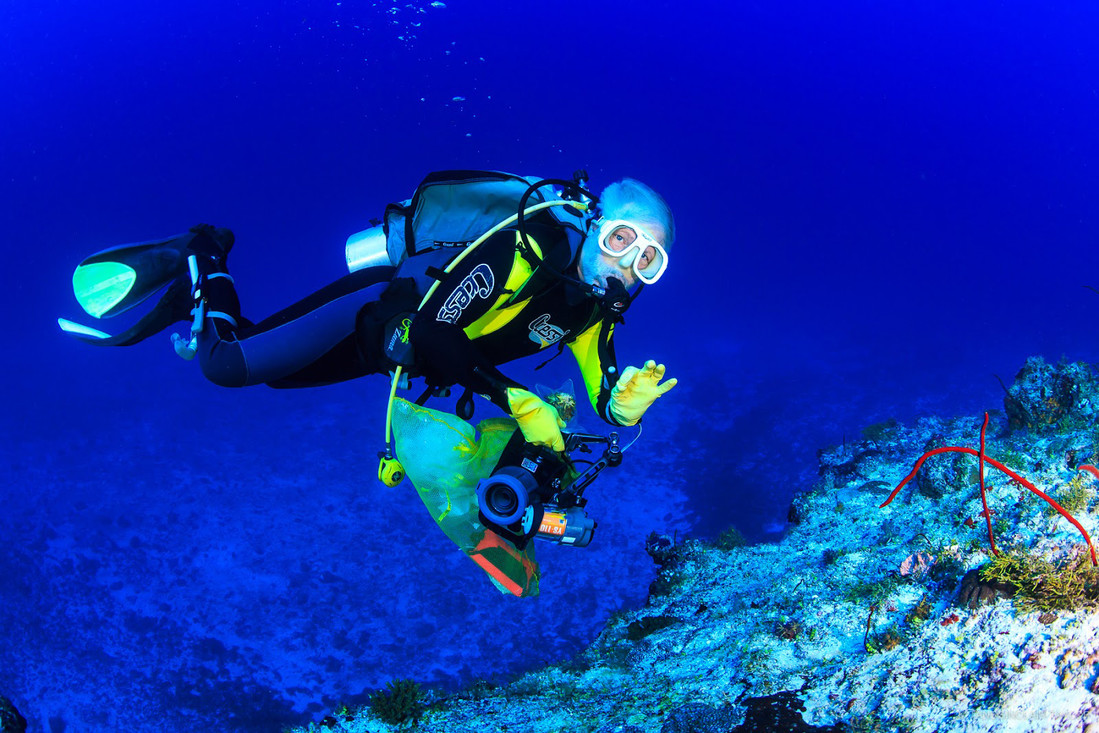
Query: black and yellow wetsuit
(492, 309)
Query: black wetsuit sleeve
(445, 354)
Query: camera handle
(612, 456)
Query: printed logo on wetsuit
(400, 334)
(544, 333)
(477, 284)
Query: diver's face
(596, 266)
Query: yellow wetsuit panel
(499, 315)
(585, 348)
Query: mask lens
(650, 264)
(619, 238)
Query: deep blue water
(881, 206)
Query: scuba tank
(367, 248)
(450, 210)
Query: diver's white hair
(631, 199)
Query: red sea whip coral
(981, 459)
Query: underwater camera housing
(528, 495)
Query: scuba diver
(477, 269)
(517, 294)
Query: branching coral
(982, 459)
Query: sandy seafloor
(172, 565)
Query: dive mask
(633, 247)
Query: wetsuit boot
(213, 297)
(215, 286)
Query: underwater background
(881, 209)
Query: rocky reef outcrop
(10, 719)
(867, 615)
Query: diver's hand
(539, 421)
(636, 390)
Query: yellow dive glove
(636, 390)
(539, 421)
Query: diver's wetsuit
(464, 330)
(308, 344)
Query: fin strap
(222, 316)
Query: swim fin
(174, 306)
(117, 279)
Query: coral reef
(977, 589)
(401, 702)
(982, 458)
(860, 619)
(1038, 583)
(10, 719)
(1045, 397)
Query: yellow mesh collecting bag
(444, 457)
